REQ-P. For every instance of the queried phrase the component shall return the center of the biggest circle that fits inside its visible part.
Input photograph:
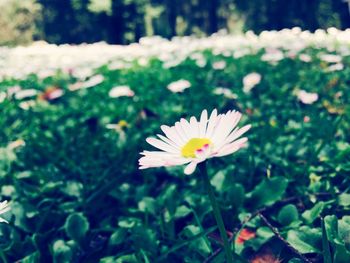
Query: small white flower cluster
(46, 59)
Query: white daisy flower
(26, 93)
(4, 207)
(179, 86)
(219, 64)
(250, 81)
(192, 142)
(307, 97)
(121, 91)
(331, 58)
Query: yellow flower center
(193, 145)
(123, 123)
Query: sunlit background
(126, 21)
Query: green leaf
(182, 211)
(325, 245)
(341, 254)
(236, 195)
(263, 235)
(305, 239)
(218, 181)
(32, 258)
(288, 214)
(199, 244)
(268, 192)
(331, 228)
(344, 231)
(310, 215)
(147, 204)
(344, 199)
(118, 237)
(76, 226)
(61, 252)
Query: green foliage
(77, 194)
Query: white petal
(214, 118)
(171, 133)
(168, 141)
(161, 145)
(237, 133)
(194, 127)
(190, 168)
(203, 124)
(232, 147)
(180, 132)
(186, 127)
(3, 220)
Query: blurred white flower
(15, 144)
(272, 55)
(93, 81)
(335, 67)
(201, 63)
(307, 97)
(179, 86)
(143, 61)
(52, 93)
(12, 90)
(250, 81)
(120, 91)
(117, 65)
(76, 86)
(219, 65)
(4, 207)
(25, 93)
(330, 58)
(227, 93)
(192, 142)
(305, 58)
(26, 105)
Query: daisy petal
(190, 168)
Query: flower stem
(216, 210)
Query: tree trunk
(213, 16)
(343, 9)
(116, 25)
(172, 14)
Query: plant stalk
(216, 210)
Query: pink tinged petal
(237, 133)
(5, 209)
(203, 124)
(194, 127)
(161, 145)
(228, 123)
(231, 148)
(159, 154)
(3, 220)
(212, 123)
(168, 141)
(158, 162)
(200, 154)
(171, 133)
(190, 168)
(186, 127)
(180, 132)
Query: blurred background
(125, 21)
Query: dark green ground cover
(77, 194)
